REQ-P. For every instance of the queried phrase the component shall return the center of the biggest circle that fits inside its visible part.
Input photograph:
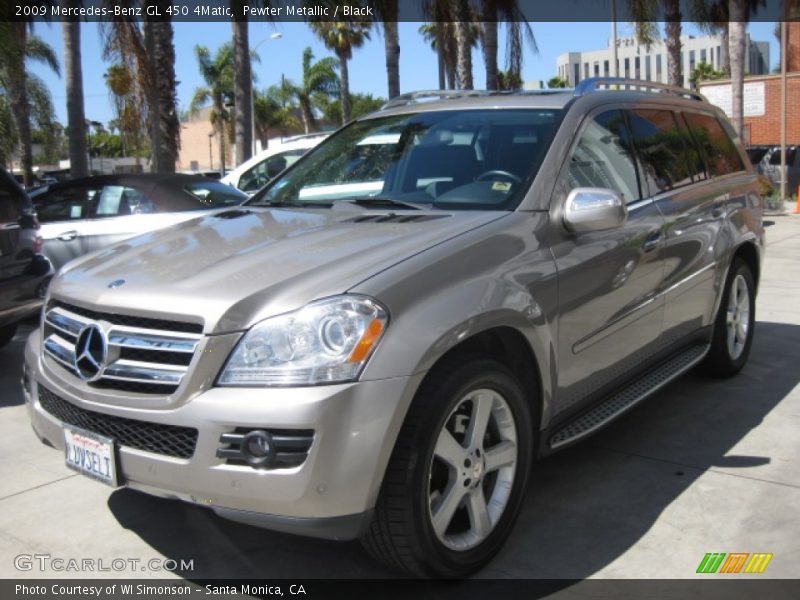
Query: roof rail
(412, 97)
(594, 83)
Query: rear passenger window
(717, 147)
(604, 158)
(670, 159)
(63, 204)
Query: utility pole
(614, 60)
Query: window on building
(605, 69)
(577, 73)
(627, 68)
(691, 61)
(658, 67)
(586, 69)
(703, 56)
(648, 75)
(596, 69)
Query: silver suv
(380, 343)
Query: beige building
(200, 145)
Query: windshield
(458, 160)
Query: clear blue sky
(367, 69)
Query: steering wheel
(498, 173)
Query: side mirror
(594, 209)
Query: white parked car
(256, 172)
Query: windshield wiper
(377, 201)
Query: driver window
(603, 157)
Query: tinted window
(718, 149)
(668, 163)
(791, 155)
(257, 177)
(603, 157)
(65, 203)
(118, 200)
(212, 194)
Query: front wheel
(734, 324)
(456, 479)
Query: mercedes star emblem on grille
(91, 352)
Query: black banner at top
(366, 10)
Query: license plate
(91, 455)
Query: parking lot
(703, 466)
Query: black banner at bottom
(408, 589)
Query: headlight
(326, 341)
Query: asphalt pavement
(703, 466)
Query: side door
(611, 315)
(63, 212)
(693, 200)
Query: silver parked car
(381, 341)
(86, 214)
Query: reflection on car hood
(255, 263)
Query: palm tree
(274, 110)
(463, 47)
(24, 90)
(517, 26)
(217, 72)
(737, 26)
(147, 48)
(129, 121)
(643, 13)
(441, 37)
(76, 115)
(242, 92)
(386, 12)
(342, 37)
(318, 78)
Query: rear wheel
(457, 476)
(734, 325)
(7, 334)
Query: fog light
(257, 448)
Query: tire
(7, 334)
(734, 325)
(435, 476)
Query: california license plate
(91, 455)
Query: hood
(233, 268)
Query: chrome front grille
(140, 355)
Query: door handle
(652, 241)
(67, 236)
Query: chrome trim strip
(134, 338)
(687, 279)
(59, 352)
(143, 372)
(65, 322)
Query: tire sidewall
(475, 375)
(738, 268)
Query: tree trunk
(344, 88)
(18, 96)
(490, 45)
(463, 53)
(738, 46)
(243, 124)
(724, 54)
(153, 108)
(392, 45)
(168, 124)
(220, 110)
(672, 14)
(76, 117)
(440, 59)
(305, 115)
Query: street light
(273, 36)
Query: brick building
(762, 98)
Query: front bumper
(329, 495)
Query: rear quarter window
(718, 149)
